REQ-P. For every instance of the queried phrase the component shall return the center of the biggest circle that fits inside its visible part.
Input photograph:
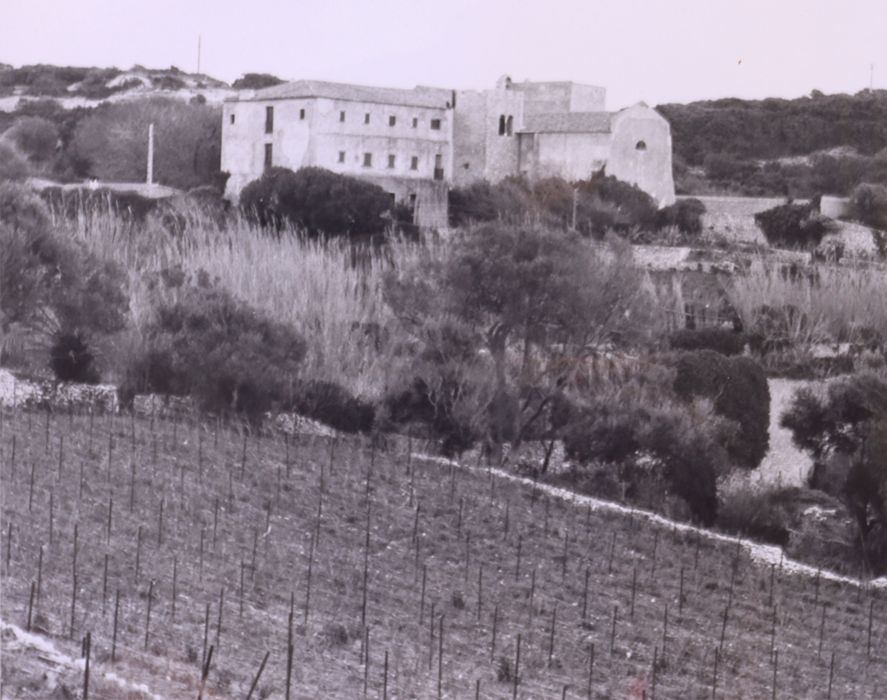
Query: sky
(651, 50)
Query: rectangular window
(414, 163)
(392, 120)
(435, 124)
(341, 156)
(368, 160)
(268, 155)
(232, 118)
(341, 116)
(391, 160)
(415, 122)
(269, 120)
(438, 167)
(301, 114)
(366, 118)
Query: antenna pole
(198, 53)
(149, 179)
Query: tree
(13, 165)
(548, 299)
(846, 434)
(255, 81)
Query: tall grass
(836, 304)
(330, 291)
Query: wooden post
(88, 654)
(148, 614)
(31, 484)
(653, 673)
(204, 673)
(681, 594)
(258, 676)
(610, 555)
(516, 668)
(585, 595)
(39, 575)
(308, 586)
(495, 624)
(552, 634)
(565, 555)
(30, 606)
(385, 677)
(590, 669)
(868, 641)
(422, 596)
(613, 629)
(132, 484)
(665, 631)
(205, 636)
(480, 589)
(104, 582)
(110, 515)
(175, 572)
(831, 674)
(520, 539)
(714, 675)
(821, 633)
(440, 658)
(114, 636)
(775, 667)
(366, 565)
(219, 624)
(138, 552)
(634, 584)
(74, 582)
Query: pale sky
(651, 50)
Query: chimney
(150, 177)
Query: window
(391, 160)
(232, 118)
(341, 156)
(269, 119)
(415, 122)
(641, 146)
(366, 118)
(341, 116)
(501, 125)
(413, 201)
(301, 114)
(368, 160)
(509, 125)
(268, 155)
(414, 163)
(392, 120)
(435, 124)
(438, 167)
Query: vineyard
(199, 558)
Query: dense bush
(761, 514)
(793, 225)
(868, 204)
(721, 340)
(652, 449)
(330, 404)
(738, 388)
(35, 137)
(227, 356)
(111, 142)
(255, 81)
(13, 165)
(602, 203)
(317, 201)
(51, 286)
(684, 214)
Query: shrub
(653, 449)
(332, 405)
(738, 388)
(72, 360)
(481, 201)
(223, 353)
(34, 137)
(721, 340)
(318, 202)
(868, 203)
(684, 214)
(255, 81)
(13, 165)
(757, 513)
(629, 206)
(793, 226)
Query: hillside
(75, 86)
(213, 537)
(800, 147)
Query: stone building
(416, 143)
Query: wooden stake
(590, 670)
(480, 589)
(440, 639)
(205, 636)
(110, 515)
(74, 582)
(88, 654)
(422, 597)
(585, 595)
(634, 583)
(520, 539)
(831, 674)
(258, 676)
(175, 573)
(114, 636)
(714, 675)
(148, 615)
(219, 623)
(821, 633)
(30, 606)
(610, 555)
(39, 575)
(160, 523)
(551, 637)
(385, 677)
(495, 624)
(516, 667)
(138, 552)
(104, 582)
(613, 629)
(204, 673)
(308, 586)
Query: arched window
(501, 125)
(509, 125)
(641, 146)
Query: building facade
(417, 143)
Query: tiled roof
(415, 97)
(568, 123)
